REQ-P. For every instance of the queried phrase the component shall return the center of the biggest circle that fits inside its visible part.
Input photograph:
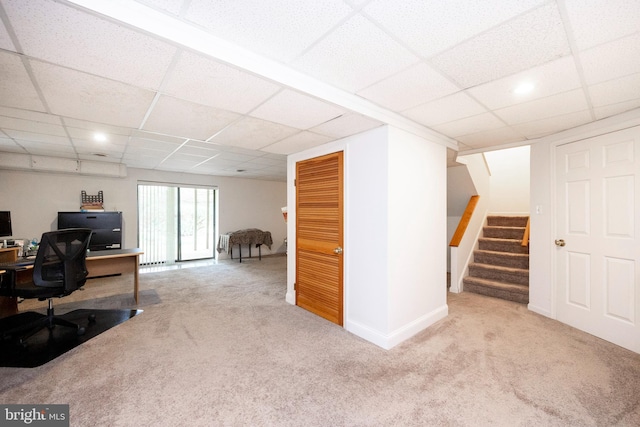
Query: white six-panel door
(598, 236)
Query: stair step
(507, 291)
(507, 221)
(503, 259)
(502, 245)
(501, 274)
(494, 232)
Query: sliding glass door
(196, 223)
(175, 223)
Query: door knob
(560, 242)
(337, 250)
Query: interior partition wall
(176, 223)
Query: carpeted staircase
(501, 264)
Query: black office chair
(58, 270)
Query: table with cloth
(248, 236)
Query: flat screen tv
(5, 224)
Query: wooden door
(598, 236)
(319, 236)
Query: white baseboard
(388, 341)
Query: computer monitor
(5, 224)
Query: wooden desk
(9, 254)
(99, 263)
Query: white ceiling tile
(560, 104)
(549, 79)
(615, 91)
(41, 147)
(615, 59)
(197, 150)
(613, 109)
(88, 146)
(34, 116)
(551, 125)
(83, 96)
(253, 133)
(155, 147)
(296, 143)
(447, 109)
(142, 135)
(5, 40)
(279, 29)
(598, 21)
(470, 125)
(174, 116)
(270, 159)
(172, 6)
(63, 35)
(20, 135)
(89, 128)
(12, 123)
(490, 138)
(413, 86)
(16, 88)
(355, 55)
(526, 41)
(431, 26)
(212, 83)
(346, 125)
(294, 109)
(82, 138)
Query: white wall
(35, 198)
(509, 170)
(416, 233)
(395, 233)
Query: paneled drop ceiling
(230, 87)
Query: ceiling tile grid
(16, 88)
(79, 95)
(296, 110)
(208, 82)
(594, 22)
(450, 67)
(408, 88)
(63, 35)
(175, 116)
(355, 55)
(523, 42)
(279, 29)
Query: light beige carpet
(219, 346)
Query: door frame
(292, 160)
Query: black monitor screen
(5, 224)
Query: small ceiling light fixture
(524, 88)
(100, 137)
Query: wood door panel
(318, 233)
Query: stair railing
(464, 221)
(525, 237)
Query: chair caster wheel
(80, 331)
(92, 318)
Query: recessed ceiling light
(524, 88)
(100, 137)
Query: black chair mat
(46, 345)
